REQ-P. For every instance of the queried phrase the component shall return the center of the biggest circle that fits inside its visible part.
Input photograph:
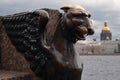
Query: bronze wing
(26, 32)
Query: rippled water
(101, 67)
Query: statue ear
(65, 8)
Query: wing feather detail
(25, 30)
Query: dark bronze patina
(45, 37)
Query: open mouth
(81, 36)
(81, 33)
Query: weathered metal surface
(45, 38)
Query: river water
(102, 67)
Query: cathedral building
(105, 46)
(106, 33)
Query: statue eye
(89, 15)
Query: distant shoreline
(100, 54)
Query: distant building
(106, 33)
(98, 47)
(104, 46)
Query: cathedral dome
(106, 33)
(105, 28)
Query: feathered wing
(25, 30)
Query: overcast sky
(101, 10)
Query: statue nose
(91, 31)
(90, 28)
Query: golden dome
(105, 28)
